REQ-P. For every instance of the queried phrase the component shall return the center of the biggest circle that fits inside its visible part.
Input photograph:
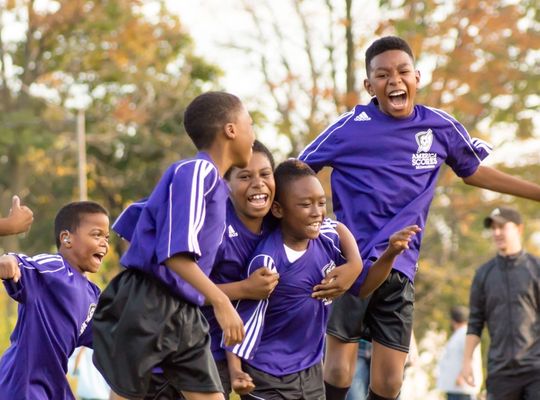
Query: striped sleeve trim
(473, 144)
(255, 323)
(51, 262)
(197, 203)
(323, 137)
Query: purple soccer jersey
(385, 171)
(231, 263)
(184, 214)
(56, 305)
(285, 333)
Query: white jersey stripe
(445, 116)
(326, 134)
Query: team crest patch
(89, 316)
(326, 270)
(423, 158)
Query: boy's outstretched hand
(399, 241)
(9, 268)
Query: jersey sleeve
(252, 313)
(31, 269)
(323, 150)
(465, 154)
(126, 222)
(185, 211)
(477, 301)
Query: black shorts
(524, 385)
(386, 316)
(139, 325)
(306, 384)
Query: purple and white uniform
(157, 232)
(285, 333)
(231, 263)
(385, 171)
(56, 305)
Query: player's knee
(339, 375)
(388, 385)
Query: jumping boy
(56, 304)
(386, 157)
(284, 342)
(148, 317)
(18, 220)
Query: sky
(215, 24)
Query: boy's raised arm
(226, 315)
(380, 269)
(498, 181)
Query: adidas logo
(232, 232)
(362, 117)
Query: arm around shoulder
(340, 279)
(498, 181)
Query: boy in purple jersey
(148, 317)
(386, 157)
(18, 220)
(252, 192)
(250, 199)
(56, 304)
(284, 342)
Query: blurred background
(92, 95)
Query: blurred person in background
(505, 295)
(450, 363)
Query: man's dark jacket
(505, 294)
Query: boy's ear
(368, 87)
(230, 130)
(277, 210)
(65, 238)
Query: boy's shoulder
(44, 262)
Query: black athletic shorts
(160, 389)
(518, 386)
(386, 316)
(139, 325)
(306, 384)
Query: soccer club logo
(424, 140)
(423, 158)
(89, 316)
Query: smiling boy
(284, 343)
(56, 304)
(386, 157)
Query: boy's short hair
(289, 171)
(207, 114)
(459, 314)
(69, 216)
(384, 44)
(258, 147)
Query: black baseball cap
(503, 215)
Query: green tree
(131, 65)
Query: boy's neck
(218, 155)
(254, 225)
(294, 243)
(67, 256)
